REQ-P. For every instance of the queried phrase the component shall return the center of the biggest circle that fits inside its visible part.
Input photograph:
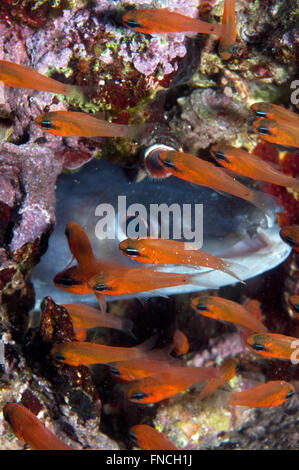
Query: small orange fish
(203, 173)
(273, 345)
(168, 383)
(20, 76)
(180, 343)
(294, 304)
(227, 310)
(132, 280)
(290, 235)
(227, 371)
(275, 112)
(79, 245)
(149, 438)
(84, 317)
(271, 393)
(246, 164)
(136, 369)
(226, 43)
(70, 124)
(78, 352)
(281, 133)
(163, 21)
(28, 428)
(161, 251)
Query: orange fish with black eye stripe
(85, 317)
(276, 113)
(163, 21)
(168, 383)
(28, 428)
(290, 235)
(227, 310)
(204, 173)
(163, 251)
(273, 345)
(149, 438)
(246, 164)
(277, 132)
(77, 352)
(271, 393)
(79, 245)
(226, 43)
(70, 124)
(20, 76)
(139, 368)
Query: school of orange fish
(154, 374)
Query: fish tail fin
(127, 327)
(138, 131)
(202, 281)
(232, 269)
(266, 203)
(148, 344)
(102, 301)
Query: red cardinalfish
(271, 393)
(273, 345)
(20, 76)
(180, 343)
(163, 21)
(28, 428)
(136, 369)
(226, 43)
(78, 352)
(131, 281)
(160, 251)
(70, 124)
(276, 132)
(276, 113)
(290, 235)
(227, 310)
(149, 438)
(246, 164)
(168, 383)
(79, 245)
(203, 173)
(294, 304)
(85, 317)
(227, 371)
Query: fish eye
(67, 232)
(58, 356)
(263, 130)
(66, 281)
(289, 240)
(169, 164)
(201, 307)
(290, 394)
(132, 24)
(138, 396)
(45, 124)
(220, 156)
(258, 347)
(100, 287)
(132, 436)
(260, 114)
(296, 307)
(132, 252)
(114, 371)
